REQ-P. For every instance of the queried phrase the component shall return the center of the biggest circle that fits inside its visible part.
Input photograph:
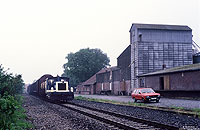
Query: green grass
(109, 101)
(95, 99)
(197, 110)
(177, 108)
(194, 111)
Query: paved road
(164, 102)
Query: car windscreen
(147, 91)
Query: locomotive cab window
(61, 86)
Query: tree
(83, 64)
(10, 84)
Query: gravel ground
(164, 102)
(153, 115)
(47, 116)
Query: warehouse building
(182, 80)
(87, 87)
(103, 82)
(108, 81)
(196, 58)
(116, 80)
(124, 63)
(155, 47)
(152, 48)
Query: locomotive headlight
(72, 89)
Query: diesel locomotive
(53, 88)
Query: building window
(140, 37)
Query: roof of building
(192, 67)
(161, 27)
(127, 48)
(92, 80)
(197, 54)
(103, 70)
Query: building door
(161, 83)
(166, 83)
(94, 88)
(122, 87)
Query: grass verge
(109, 101)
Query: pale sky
(37, 35)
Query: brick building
(108, 81)
(174, 80)
(87, 87)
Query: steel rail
(114, 123)
(118, 124)
(132, 118)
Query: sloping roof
(197, 54)
(192, 67)
(103, 70)
(161, 27)
(127, 48)
(92, 80)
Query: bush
(12, 115)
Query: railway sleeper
(112, 120)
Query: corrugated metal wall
(152, 56)
(165, 36)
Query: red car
(145, 94)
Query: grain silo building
(156, 47)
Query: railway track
(117, 120)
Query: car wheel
(157, 100)
(135, 100)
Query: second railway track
(118, 120)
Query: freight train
(53, 88)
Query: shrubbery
(12, 115)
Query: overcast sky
(37, 35)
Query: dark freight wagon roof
(192, 67)
(161, 27)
